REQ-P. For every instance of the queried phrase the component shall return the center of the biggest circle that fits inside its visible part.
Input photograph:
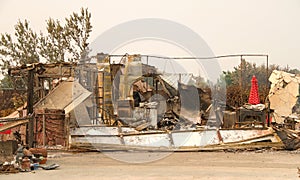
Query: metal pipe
(147, 60)
(212, 57)
(267, 89)
(241, 81)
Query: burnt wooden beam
(14, 119)
(12, 124)
(30, 103)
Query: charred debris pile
(146, 99)
(101, 93)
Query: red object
(254, 97)
(5, 132)
(268, 120)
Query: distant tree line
(238, 81)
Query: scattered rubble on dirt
(290, 138)
(26, 160)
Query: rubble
(290, 138)
(173, 121)
(131, 104)
(27, 160)
(8, 168)
(284, 93)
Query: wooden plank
(12, 124)
(44, 131)
(14, 119)
(109, 147)
(142, 126)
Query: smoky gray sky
(228, 26)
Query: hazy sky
(228, 26)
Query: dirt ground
(180, 165)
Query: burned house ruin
(101, 104)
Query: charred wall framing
(38, 80)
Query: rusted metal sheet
(49, 127)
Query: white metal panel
(95, 131)
(97, 140)
(149, 140)
(195, 139)
(236, 135)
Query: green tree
(53, 46)
(78, 28)
(61, 42)
(25, 48)
(68, 42)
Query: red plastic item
(254, 97)
(5, 132)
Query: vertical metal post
(267, 85)
(241, 82)
(103, 97)
(267, 68)
(30, 95)
(156, 86)
(180, 77)
(44, 130)
(60, 72)
(147, 60)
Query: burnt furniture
(251, 117)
